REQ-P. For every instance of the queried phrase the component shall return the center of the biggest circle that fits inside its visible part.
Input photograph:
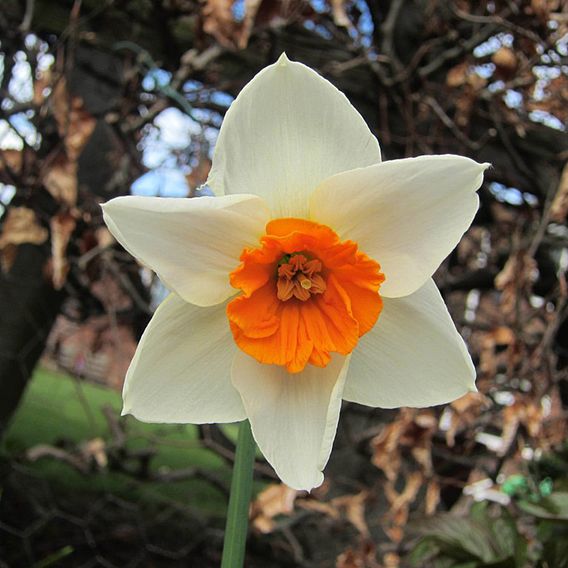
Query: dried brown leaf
(275, 500)
(365, 556)
(62, 227)
(251, 9)
(198, 174)
(524, 411)
(74, 124)
(506, 62)
(325, 508)
(464, 412)
(397, 516)
(511, 422)
(391, 560)
(80, 130)
(497, 337)
(13, 159)
(559, 207)
(543, 8)
(354, 508)
(339, 13)
(555, 425)
(351, 507)
(432, 499)
(104, 237)
(386, 455)
(60, 179)
(21, 226)
(272, 13)
(95, 451)
(218, 21)
(412, 430)
(517, 275)
(457, 76)
(42, 82)
(554, 99)
(400, 500)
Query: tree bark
(28, 307)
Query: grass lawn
(57, 407)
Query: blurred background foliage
(110, 97)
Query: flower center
(299, 278)
(305, 294)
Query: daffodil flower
(305, 281)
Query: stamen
(305, 295)
(299, 278)
(284, 289)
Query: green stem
(241, 488)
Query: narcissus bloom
(305, 281)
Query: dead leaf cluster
(515, 281)
(74, 124)
(403, 452)
(62, 227)
(57, 173)
(464, 78)
(492, 355)
(544, 8)
(544, 424)
(219, 21)
(274, 501)
(463, 414)
(506, 62)
(363, 556)
(409, 434)
(279, 500)
(20, 226)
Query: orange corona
(305, 294)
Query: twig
(544, 220)
(190, 62)
(451, 125)
(166, 476)
(117, 432)
(454, 52)
(28, 17)
(497, 20)
(125, 282)
(46, 451)
(387, 30)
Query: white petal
(293, 416)
(406, 214)
(192, 244)
(287, 131)
(414, 355)
(181, 372)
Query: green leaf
(464, 539)
(482, 539)
(424, 550)
(554, 538)
(556, 554)
(554, 507)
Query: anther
(299, 278)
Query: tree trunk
(28, 307)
